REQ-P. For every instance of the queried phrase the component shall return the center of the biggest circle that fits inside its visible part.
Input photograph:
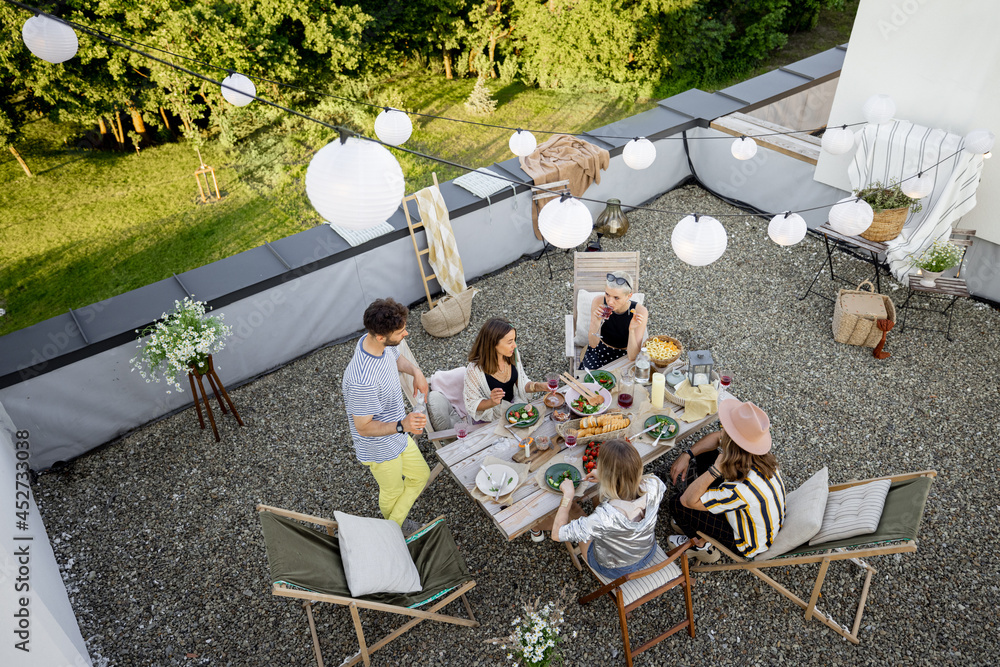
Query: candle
(656, 392)
(700, 379)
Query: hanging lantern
(979, 141)
(879, 109)
(851, 216)
(838, 140)
(919, 186)
(393, 126)
(639, 153)
(699, 240)
(522, 143)
(744, 148)
(52, 41)
(612, 221)
(787, 228)
(238, 89)
(355, 184)
(565, 223)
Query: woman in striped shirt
(738, 497)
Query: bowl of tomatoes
(590, 455)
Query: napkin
(699, 402)
(502, 424)
(523, 475)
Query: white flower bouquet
(179, 344)
(535, 636)
(940, 256)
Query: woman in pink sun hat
(736, 496)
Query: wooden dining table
(532, 507)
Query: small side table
(848, 245)
(200, 396)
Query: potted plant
(891, 206)
(935, 260)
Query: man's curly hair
(383, 316)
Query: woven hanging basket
(887, 224)
(450, 316)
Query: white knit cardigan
(477, 391)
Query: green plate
(602, 375)
(664, 420)
(521, 423)
(558, 469)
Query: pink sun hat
(747, 425)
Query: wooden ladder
(426, 251)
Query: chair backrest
(962, 238)
(405, 380)
(591, 269)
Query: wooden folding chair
(896, 533)
(305, 564)
(631, 591)
(590, 273)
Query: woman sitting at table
(494, 377)
(624, 329)
(738, 497)
(618, 538)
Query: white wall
(940, 62)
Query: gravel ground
(164, 562)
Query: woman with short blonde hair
(619, 332)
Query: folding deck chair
(305, 564)
(896, 533)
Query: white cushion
(852, 511)
(375, 556)
(804, 508)
(634, 589)
(584, 302)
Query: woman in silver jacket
(619, 537)
(495, 377)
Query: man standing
(377, 416)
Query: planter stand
(201, 396)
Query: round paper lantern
(787, 228)
(838, 140)
(565, 223)
(699, 242)
(639, 153)
(244, 92)
(52, 41)
(393, 127)
(522, 143)
(979, 141)
(851, 216)
(879, 109)
(355, 184)
(918, 186)
(744, 148)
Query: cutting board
(538, 458)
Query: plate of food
(504, 480)
(579, 405)
(555, 475)
(521, 415)
(669, 428)
(604, 378)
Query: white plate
(497, 472)
(573, 394)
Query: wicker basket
(662, 363)
(854, 329)
(603, 437)
(887, 224)
(450, 316)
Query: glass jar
(612, 221)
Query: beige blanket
(443, 256)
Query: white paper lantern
(52, 41)
(639, 153)
(699, 242)
(393, 127)
(787, 228)
(356, 184)
(918, 186)
(244, 92)
(744, 148)
(851, 216)
(838, 140)
(522, 143)
(879, 109)
(979, 141)
(565, 223)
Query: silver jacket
(617, 541)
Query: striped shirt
(371, 387)
(755, 508)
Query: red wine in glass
(461, 432)
(625, 400)
(553, 383)
(725, 381)
(606, 312)
(570, 440)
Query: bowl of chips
(663, 350)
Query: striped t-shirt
(755, 508)
(371, 387)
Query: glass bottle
(612, 221)
(642, 366)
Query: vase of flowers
(891, 207)
(535, 636)
(179, 344)
(935, 260)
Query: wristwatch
(689, 453)
(399, 427)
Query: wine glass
(553, 381)
(625, 391)
(724, 382)
(462, 429)
(570, 436)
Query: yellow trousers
(400, 481)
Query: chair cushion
(852, 511)
(375, 556)
(636, 588)
(452, 385)
(804, 508)
(584, 299)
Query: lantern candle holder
(699, 369)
